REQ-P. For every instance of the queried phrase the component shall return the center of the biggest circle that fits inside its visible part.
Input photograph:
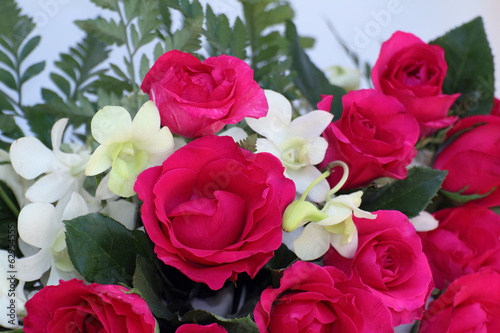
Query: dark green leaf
(9, 128)
(40, 123)
(106, 31)
(186, 39)
(311, 81)
(238, 39)
(147, 281)
(107, 4)
(249, 143)
(410, 195)
(8, 79)
(103, 250)
(283, 257)
(32, 71)
(459, 198)
(6, 60)
(61, 83)
(239, 325)
(5, 104)
(470, 68)
(118, 71)
(29, 47)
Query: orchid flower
(332, 225)
(127, 147)
(40, 225)
(62, 172)
(17, 184)
(297, 143)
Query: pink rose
(466, 239)
(495, 110)
(472, 158)
(390, 263)
(470, 304)
(214, 210)
(196, 98)
(195, 328)
(312, 298)
(375, 136)
(73, 306)
(413, 72)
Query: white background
(363, 24)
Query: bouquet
(225, 183)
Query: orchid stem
(314, 183)
(342, 180)
(8, 202)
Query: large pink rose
(467, 238)
(214, 210)
(312, 298)
(413, 72)
(196, 98)
(390, 263)
(470, 304)
(472, 158)
(73, 306)
(375, 136)
(195, 328)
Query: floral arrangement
(224, 183)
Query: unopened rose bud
(345, 77)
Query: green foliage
(103, 250)
(201, 317)
(249, 143)
(310, 80)
(410, 195)
(470, 68)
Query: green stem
(342, 180)
(8, 202)
(131, 68)
(314, 183)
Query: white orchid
(17, 184)
(40, 226)
(62, 172)
(331, 226)
(297, 143)
(127, 147)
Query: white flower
(8, 175)
(331, 226)
(424, 221)
(296, 143)
(345, 77)
(128, 147)
(40, 225)
(62, 172)
(12, 298)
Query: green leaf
(144, 67)
(109, 32)
(147, 281)
(61, 83)
(158, 51)
(283, 257)
(107, 4)
(103, 250)
(310, 80)
(470, 68)
(240, 325)
(249, 143)
(8, 79)
(459, 198)
(6, 60)
(186, 39)
(9, 128)
(5, 104)
(410, 195)
(29, 47)
(32, 71)
(134, 36)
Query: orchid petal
(103, 192)
(76, 206)
(57, 133)
(424, 222)
(50, 188)
(37, 224)
(310, 125)
(100, 160)
(122, 211)
(304, 177)
(313, 243)
(275, 124)
(267, 146)
(146, 122)
(158, 147)
(316, 149)
(30, 158)
(236, 133)
(32, 268)
(346, 250)
(56, 275)
(111, 124)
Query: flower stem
(342, 180)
